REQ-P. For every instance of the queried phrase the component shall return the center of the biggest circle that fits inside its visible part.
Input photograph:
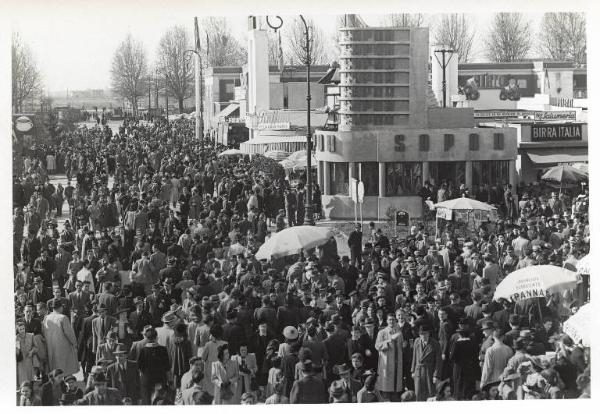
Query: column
(350, 176)
(469, 175)
(326, 179)
(382, 179)
(425, 171)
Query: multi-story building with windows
(394, 137)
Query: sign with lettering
(520, 114)
(528, 288)
(556, 132)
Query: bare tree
(223, 48)
(129, 69)
(509, 39)
(455, 31)
(403, 20)
(295, 35)
(275, 48)
(176, 66)
(562, 37)
(26, 78)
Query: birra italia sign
(558, 132)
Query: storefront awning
(229, 109)
(557, 155)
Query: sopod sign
(23, 124)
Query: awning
(557, 155)
(229, 109)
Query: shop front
(545, 145)
(394, 165)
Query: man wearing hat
(349, 385)
(101, 326)
(166, 330)
(138, 318)
(426, 363)
(101, 394)
(71, 392)
(156, 304)
(309, 389)
(123, 375)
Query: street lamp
(444, 64)
(199, 127)
(308, 217)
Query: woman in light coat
(225, 376)
(26, 352)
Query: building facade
(392, 139)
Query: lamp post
(444, 64)
(308, 217)
(199, 127)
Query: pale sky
(74, 50)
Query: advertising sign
(556, 132)
(521, 114)
(402, 218)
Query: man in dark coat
(308, 390)
(355, 245)
(287, 315)
(233, 333)
(154, 366)
(267, 314)
(124, 375)
(426, 364)
(101, 394)
(86, 354)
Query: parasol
(290, 241)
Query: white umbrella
(293, 239)
(231, 152)
(464, 203)
(578, 326)
(584, 265)
(535, 282)
(276, 155)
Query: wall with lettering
(451, 144)
(555, 132)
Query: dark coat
(127, 382)
(426, 364)
(308, 390)
(288, 370)
(465, 362)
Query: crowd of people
(150, 293)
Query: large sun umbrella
(276, 155)
(564, 174)
(231, 152)
(535, 282)
(464, 203)
(578, 326)
(290, 241)
(297, 161)
(582, 167)
(584, 265)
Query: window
(498, 141)
(423, 142)
(402, 178)
(399, 143)
(338, 178)
(491, 173)
(331, 143)
(368, 172)
(448, 141)
(473, 142)
(321, 142)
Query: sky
(74, 50)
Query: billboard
(510, 87)
(556, 132)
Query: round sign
(23, 124)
